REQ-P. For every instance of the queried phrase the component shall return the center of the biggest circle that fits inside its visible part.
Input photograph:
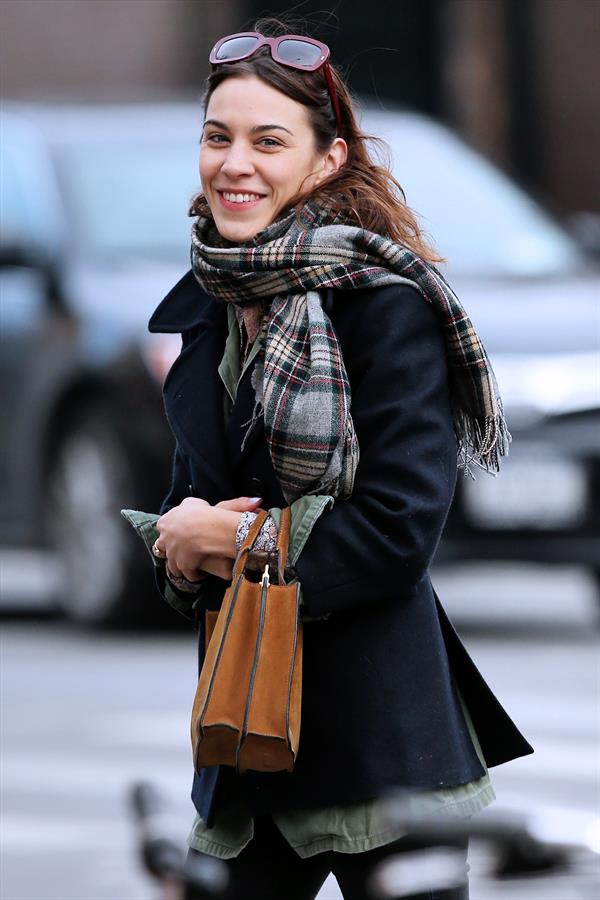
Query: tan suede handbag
(246, 710)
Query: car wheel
(106, 576)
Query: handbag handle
(283, 540)
(248, 542)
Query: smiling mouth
(240, 197)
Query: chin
(238, 233)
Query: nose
(237, 161)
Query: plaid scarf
(300, 380)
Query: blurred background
(491, 109)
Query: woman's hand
(198, 537)
(222, 566)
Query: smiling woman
(327, 367)
(322, 122)
(251, 170)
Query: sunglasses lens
(299, 53)
(236, 47)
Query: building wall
(473, 80)
(567, 87)
(101, 48)
(518, 78)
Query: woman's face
(257, 152)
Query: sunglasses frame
(273, 44)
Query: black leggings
(268, 868)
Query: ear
(334, 159)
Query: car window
(131, 199)
(479, 220)
(15, 213)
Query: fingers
(159, 550)
(173, 569)
(196, 578)
(170, 527)
(174, 511)
(183, 566)
(191, 574)
(219, 566)
(195, 529)
(241, 504)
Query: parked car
(534, 297)
(94, 232)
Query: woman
(326, 365)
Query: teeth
(240, 198)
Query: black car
(95, 232)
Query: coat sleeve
(210, 590)
(180, 487)
(379, 543)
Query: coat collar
(189, 308)
(194, 374)
(186, 305)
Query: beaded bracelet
(267, 536)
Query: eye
(215, 138)
(269, 142)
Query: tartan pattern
(300, 380)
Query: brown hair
(364, 186)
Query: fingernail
(255, 499)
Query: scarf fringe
(481, 442)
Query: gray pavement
(84, 714)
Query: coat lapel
(185, 306)
(193, 390)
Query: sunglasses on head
(293, 50)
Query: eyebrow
(256, 130)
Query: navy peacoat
(381, 672)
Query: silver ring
(158, 552)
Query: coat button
(256, 487)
